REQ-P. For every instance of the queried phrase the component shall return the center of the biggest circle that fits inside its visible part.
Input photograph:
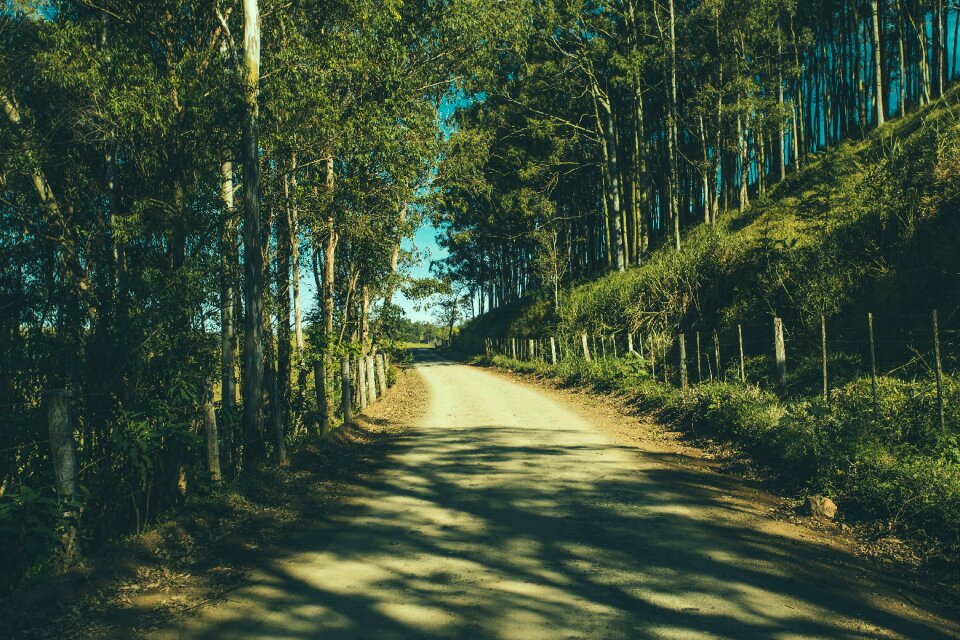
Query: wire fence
(792, 355)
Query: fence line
(827, 358)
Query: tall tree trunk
(901, 38)
(705, 174)
(228, 337)
(715, 174)
(943, 77)
(613, 174)
(877, 63)
(610, 177)
(607, 243)
(761, 144)
(273, 400)
(744, 166)
(253, 256)
(330, 250)
(284, 344)
(672, 126)
(937, 50)
(781, 100)
(956, 43)
(293, 224)
(856, 41)
(827, 92)
(923, 75)
(210, 432)
(799, 116)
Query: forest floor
(515, 511)
(213, 545)
(472, 504)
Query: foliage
(32, 521)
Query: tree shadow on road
(463, 545)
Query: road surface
(508, 513)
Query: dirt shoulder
(898, 574)
(206, 551)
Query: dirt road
(508, 513)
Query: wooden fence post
(586, 348)
(743, 367)
(823, 349)
(939, 370)
(780, 352)
(553, 351)
(64, 457)
(347, 401)
(382, 373)
(371, 379)
(320, 387)
(684, 382)
(873, 366)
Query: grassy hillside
(869, 226)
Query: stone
(819, 507)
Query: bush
(31, 524)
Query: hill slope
(870, 225)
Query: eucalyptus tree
(687, 109)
